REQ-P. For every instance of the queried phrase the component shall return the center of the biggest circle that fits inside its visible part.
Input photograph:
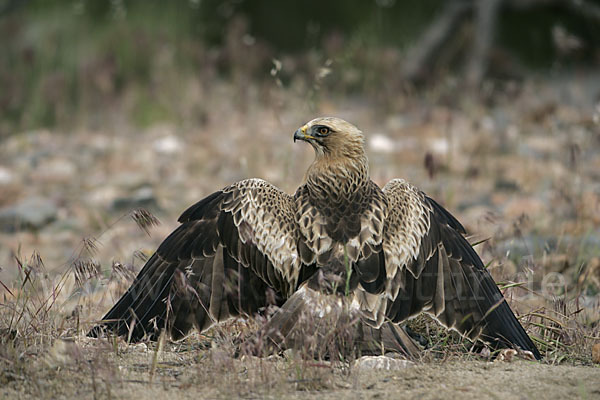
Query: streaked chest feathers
(341, 216)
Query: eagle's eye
(323, 130)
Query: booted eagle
(393, 251)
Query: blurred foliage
(64, 61)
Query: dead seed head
(140, 255)
(90, 244)
(144, 219)
(122, 272)
(84, 270)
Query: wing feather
(230, 249)
(431, 267)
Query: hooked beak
(300, 134)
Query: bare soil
(92, 369)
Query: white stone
(382, 362)
(381, 143)
(167, 145)
(6, 176)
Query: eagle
(392, 252)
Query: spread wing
(234, 252)
(431, 267)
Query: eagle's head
(340, 161)
(332, 137)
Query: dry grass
(45, 354)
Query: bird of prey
(393, 252)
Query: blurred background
(490, 106)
